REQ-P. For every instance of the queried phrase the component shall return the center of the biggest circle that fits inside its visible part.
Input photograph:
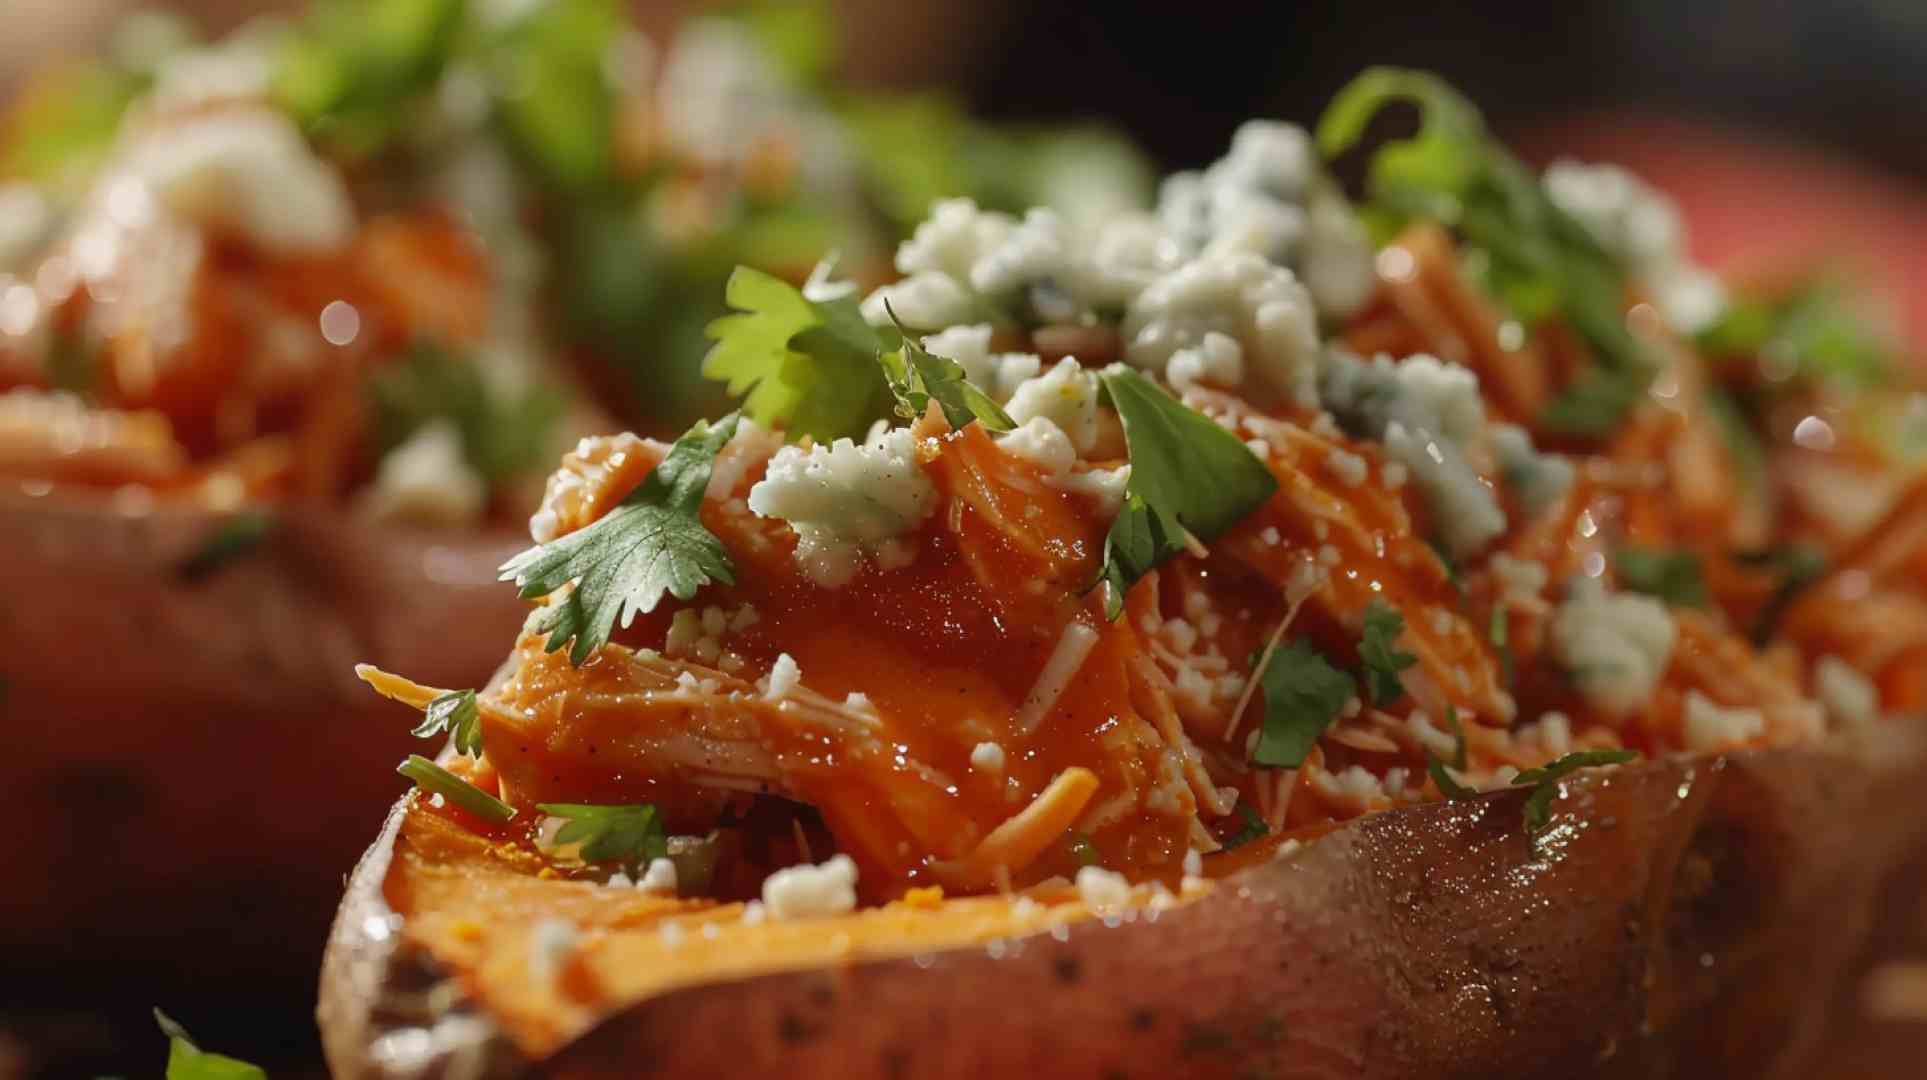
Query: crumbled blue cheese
(1126, 254)
(248, 170)
(660, 878)
(953, 238)
(1043, 444)
(996, 374)
(1427, 414)
(1035, 251)
(1537, 480)
(988, 756)
(784, 676)
(1217, 360)
(1639, 225)
(1616, 646)
(1711, 726)
(427, 481)
(1105, 487)
(1241, 296)
(1066, 395)
(810, 892)
(1103, 890)
(551, 943)
(1520, 581)
(844, 500)
(1849, 698)
(926, 298)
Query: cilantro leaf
(652, 543)
(1544, 780)
(1303, 695)
(1251, 827)
(808, 367)
(632, 835)
(503, 435)
(1187, 474)
(1671, 576)
(436, 780)
(456, 713)
(1538, 260)
(916, 376)
(186, 1061)
(1383, 660)
(345, 71)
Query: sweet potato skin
(1680, 918)
(181, 735)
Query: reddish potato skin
(1682, 918)
(187, 757)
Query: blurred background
(1786, 131)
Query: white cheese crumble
(550, 944)
(1217, 360)
(1427, 413)
(1638, 224)
(1350, 469)
(1067, 396)
(1537, 480)
(1103, 890)
(1260, 305)
(996, 374)
(1711, 726)
(1520, 581)
(784, 676)
(988, 756)
(1104, 487)
(1042, 443)
(427, 480)
(844, 500)
(1615, 645)
(928, 298)
(1847, 695)
(808, 892)
(660, 878)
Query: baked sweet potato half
(182, 720)
(1681, 918)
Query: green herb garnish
(806, 366)
(1540, 262)
(1544, 781)
(1378, 648)
(503, 435)
(1672, 576)
(436, 780)
(1303, 696)
(1798, 567)
(236, 537)
(652, 543)
(1251, 827)
(1816, 330)
(631, 835)
(186, 1061)
(917, 377)
(1187, 475)
(350, 65)
(1448, 785)
(456, 713)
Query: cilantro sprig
(456, 713)
(1251, 826)
(503, 434)
(1448, 784)
(1379, 650)
(807, 366)
(1540, 261)
(1304, 694)
(436, 780)
(652, 543)
(1544, 781)
(1188, 475)
(631, 835)
(917, 377)
(187, 1061)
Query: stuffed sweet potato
(1138, 692)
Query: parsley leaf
(809, 367)
(632, 835)
(456, 713)
(1187, 473)
(1539, 261)
(1251, 827)
(1303, 695)
(1383, 660)
(503, 435)
(916, 376)
(436, 780)
(186, 1061)
(1544, 780)
(652, 543)
(1671, 576)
